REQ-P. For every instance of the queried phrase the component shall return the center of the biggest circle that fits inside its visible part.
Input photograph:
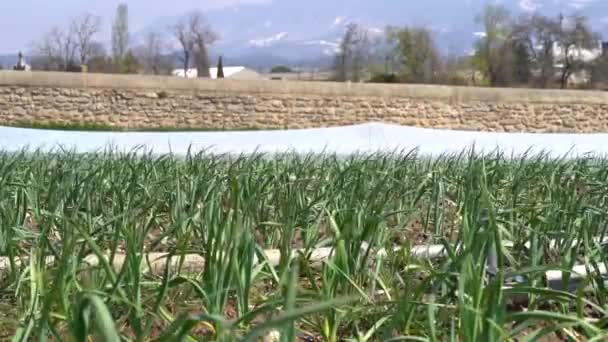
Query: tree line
(76, 47)
(530, 50)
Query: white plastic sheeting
(372, 137)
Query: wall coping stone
(452, 94)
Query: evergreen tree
(120, 33)
(220, 68)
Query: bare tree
(56, 50)
(539, 34)
(353, 54)
(99, 62)
(65, 49)
(194, 36)
(85, 28)
(344, 53)
(97, 49)
(120, 32)
(151, 53)
(203, 37)
(574, 36)
(183, 36)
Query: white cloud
(329, 48)
(337, 21)
(529, 5)
(580, 4)
(330, 51)
(375, 30)
(445, 30)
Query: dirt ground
(8, 319)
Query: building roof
(300, 76)
(229, 72)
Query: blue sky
(23, 21)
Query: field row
(302, 247)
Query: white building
(582, 55)
(21, 64)
(579, 55)
(235, 72)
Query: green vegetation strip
(57, 210)
(97, 127)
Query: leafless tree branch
(194, 35)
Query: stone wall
(153, 102)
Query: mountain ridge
(292, 30)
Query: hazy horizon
(25, 21)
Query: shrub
(281, 69)
(385, 78)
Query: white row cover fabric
(365, 138)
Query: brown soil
(9, 318)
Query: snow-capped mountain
(307, 30)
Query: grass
(98, 127)
(229, 209)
